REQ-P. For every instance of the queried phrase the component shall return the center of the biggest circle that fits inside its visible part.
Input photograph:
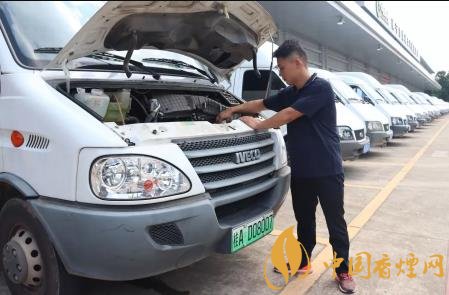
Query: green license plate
(252, 231)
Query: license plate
(366, 148)
(252, 231)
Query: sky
(426, 25)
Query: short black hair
(289, 47)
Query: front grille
(359, 134)
(220, 143)
(410, 118)
(214, 160)
(220, 159)
(223, 175)
(386, 127)
(166, 234)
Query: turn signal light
(17, 139)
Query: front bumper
(413, 125)
(390, 135)
(351, 150)
(378, 138)
(399, 130)
(119, 242)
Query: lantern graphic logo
(286, 248)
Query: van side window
(361, 93)
(254, 87)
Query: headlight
(136, 178)
(396, 121)
(345, 133)
(374, 126)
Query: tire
(18, 215)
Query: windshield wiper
(179, 63)
(48, 50)
(137, 64)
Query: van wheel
(29, 262)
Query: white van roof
(370, 80)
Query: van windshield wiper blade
(48, 50)
(179, 63)
(137, 64)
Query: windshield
(387, 96)
(420, 99)
(373, 94)
(399, 97)
(54, 25)
(37, 38)
(405, 97)
(345, 91)
(410, 99)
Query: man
(307, 106)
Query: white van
(434, 111)
(377, 125)
(442, 105)
(245, 83)
(415, 103)
(113, 168)
(371, 96)
(425, 105)
(398, 124)
(402, 97)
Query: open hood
(221, 34)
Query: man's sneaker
(305, 269)
(345, 282)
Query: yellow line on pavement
(302, 284)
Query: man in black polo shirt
(307, 106)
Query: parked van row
(369, 113)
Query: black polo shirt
(313, 143)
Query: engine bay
(136, 105)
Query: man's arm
(251, 107)
(283, 117)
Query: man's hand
(250, 121)
(225, 115)
(250, 107)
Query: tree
(442, 78)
